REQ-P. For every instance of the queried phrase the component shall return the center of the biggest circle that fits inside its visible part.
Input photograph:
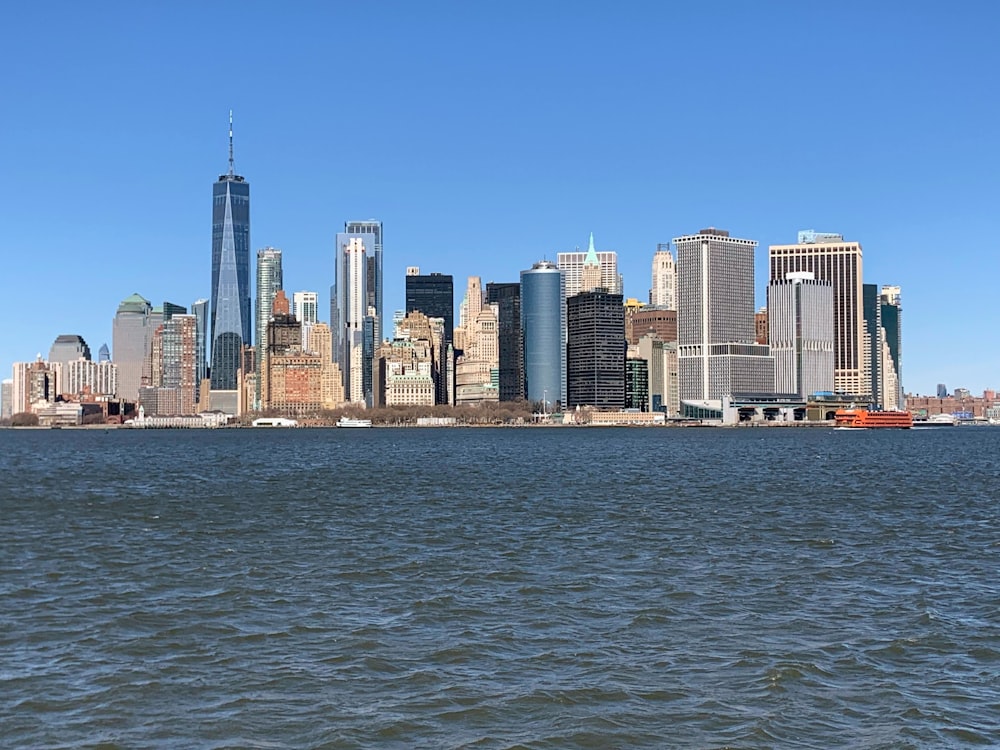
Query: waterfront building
(800, 332)
(68, 348)
(131, 338)
(34, 383)
(653, 350)
(542, 315)
(319, 342)
(83, 376)
(831, 259)
(270, 279)
(358, 309)
(405, 367)
(180, 360)
(506, 299)
(6, 398)
(717, 350)
(595, 350)
(663, 292)
(230, 314)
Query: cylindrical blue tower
(541, 325)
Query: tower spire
(231, 170)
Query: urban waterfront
(544, 588)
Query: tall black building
(595, 350)
(434, 296)
(507, 298)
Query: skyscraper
(433, 295)
(542, 314)
(800, 332)
(663, 292)
(595, 350)
(131, 337)
(507, 299)
(358, 306)
(200, 311)
(231, 328)
(180, 367)
(572, 265)
(269, 281)
(717, 352)
(832, 259)
(892, 325)
(6, 398)
(68, 348)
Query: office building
(131, 338)
(171, 309)
(230, 314)
(829, 258)
(717, 352)
(637, 383)
(270, 280)
(572, 266)
(760, 325)
(640, 320)
(942, 390)
(892, 327)
(305, 308)
(433, 295)
(353, 342)
(595, 350)
(104, 353)
(179, 370)
(800, 332)
(477, 366)
(542, 315)
(6, 398)
(506, 298)
(371, 231)
(68, 348)
(663, 292)
(200, 310)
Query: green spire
(591, 259)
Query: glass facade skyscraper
(355, 297)
(507, 298)
(231, 328)
(433, 295)
(542, 313)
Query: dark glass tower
(507, 298)
(230, 274)
(434, 296)
(595, 350)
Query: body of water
(500, 588)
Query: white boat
(351, 422)
(938, 420)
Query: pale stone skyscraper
(663, 293)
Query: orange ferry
(862, 419)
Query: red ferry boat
(862, 419)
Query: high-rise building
(434, 295)
(800, 331)
(572, 265)
(663, 293)
(832, 259)
(641, 320)
(305, 307)
(506, 297)
(542, 314)
(6, 398)
(170, 309)
(760, 325)
(131, 337)
(33, 383)
(353, 256)
(180, 360)
(68, 348)
(200, 310)
(717, 352)
(595, 350)
(269, 281)
(892, 327)
(478, 365)
(104, 354)
(95, 378)
(371, 229)
(230, 325)
(942, 390)
(637, 383)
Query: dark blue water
(534, 588)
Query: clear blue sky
(489, 135)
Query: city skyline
(428, 162)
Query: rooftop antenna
(231, 172)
